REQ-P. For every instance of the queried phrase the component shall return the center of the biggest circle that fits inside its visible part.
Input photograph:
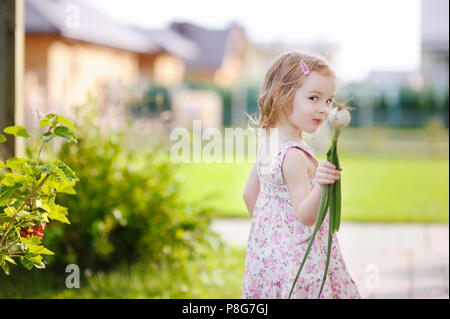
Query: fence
(400, 107)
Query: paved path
(386, 260)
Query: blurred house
(71, 48)
(221, 52)
(259, 56)
(218, 63)
(435, 44)
(433, 71)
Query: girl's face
(313, 101)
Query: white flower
(339, 117)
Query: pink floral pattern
(273, 250)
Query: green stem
(332, 156)
(322, 211)
(333, 207)
(330, 240)
(327, 204)
(332, 198)
(336, 134)
(337, 190)
(337, 197)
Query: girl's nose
(326, 107)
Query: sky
(381, 35)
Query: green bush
(28, 190)
(122, 213)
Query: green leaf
(2, 164)
(38, 175)
(40, 265)
(39, 250)
(9, 259)
(47, 136)
(46, 169)
(64, 132)
(45, 217)
(50, 116)
(68, 173)
(16, 130)
(48, 203)
(64, 171)
(16, 163)
(26, 263)
(62, 119)
(6, 191)
(34, 240)
(12, 178)
(8, 211)
(2, 138)
(59, 214)
(67, 189)
(8, 180)
(55, 211)
(5, 268)
(44, 123)
(35, 260)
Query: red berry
(37, 230)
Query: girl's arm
(304, 200)
(251, 190)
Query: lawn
(219, 276)
(378, 189)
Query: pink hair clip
(304, 67)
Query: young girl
(284, 187)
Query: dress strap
(297, 144)
(277, 160)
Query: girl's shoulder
(306, 151)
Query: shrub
(27, 195)
(122, 212)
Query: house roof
(76, 20)
(35, 22)
(212, 45)
(171, 41)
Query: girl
(283, 190)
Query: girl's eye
(315, 96)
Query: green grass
(217, 276)
(376, 189)
(391, 175)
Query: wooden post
(12, 33)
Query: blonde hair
(282, 80)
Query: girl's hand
(326, 173)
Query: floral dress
(274, 254)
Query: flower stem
(322, 211)
(327, 262)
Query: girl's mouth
(317, 121)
